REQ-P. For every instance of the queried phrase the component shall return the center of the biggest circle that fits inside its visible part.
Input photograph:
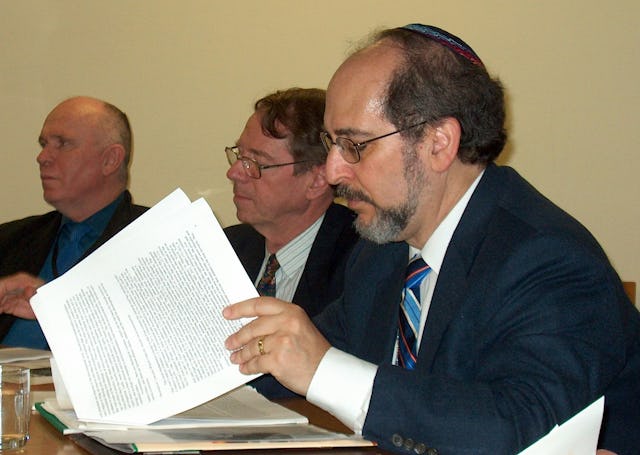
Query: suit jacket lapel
(250, 251)
(319, 261)
(453, 280)
(380, 325)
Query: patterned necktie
(68, 249)
(267, 284)
(409, 320)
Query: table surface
(45, 439)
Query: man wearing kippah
(477, 315)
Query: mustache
(347, 192)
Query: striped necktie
(409, 319)
(267, 284)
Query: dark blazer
(528, 325)
(25, 243)
(323, 276)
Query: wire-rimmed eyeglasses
(251, 167)
(350, 150)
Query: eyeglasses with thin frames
(350, 150)
(251, 167)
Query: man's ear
(112, 158)
(318, 183)
(445, 139)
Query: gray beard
(389, 223)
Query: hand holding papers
(136, 328)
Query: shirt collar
(293, 255)
(434, 250)
(97, 222)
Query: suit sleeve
(529, 347)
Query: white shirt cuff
(342, 386)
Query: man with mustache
(478, 315)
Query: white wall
(188, 72)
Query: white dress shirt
(342, 383)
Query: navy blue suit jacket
(25, 243)
(528, 325)
(323, 276)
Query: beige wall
(187, 73)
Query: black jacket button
(420, 448)
(408, 444)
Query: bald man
(84, 168)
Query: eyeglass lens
(250, 167)
(347, 147)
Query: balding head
(110, 123)
(86, 146)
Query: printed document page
(136, 328)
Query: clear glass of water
(15, 409)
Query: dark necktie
(410, 308)
(267, 284)
(68, 248)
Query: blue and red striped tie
(409, 320)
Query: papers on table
(241, 407)
(37, 360)
(230, 438)
(9, 355)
